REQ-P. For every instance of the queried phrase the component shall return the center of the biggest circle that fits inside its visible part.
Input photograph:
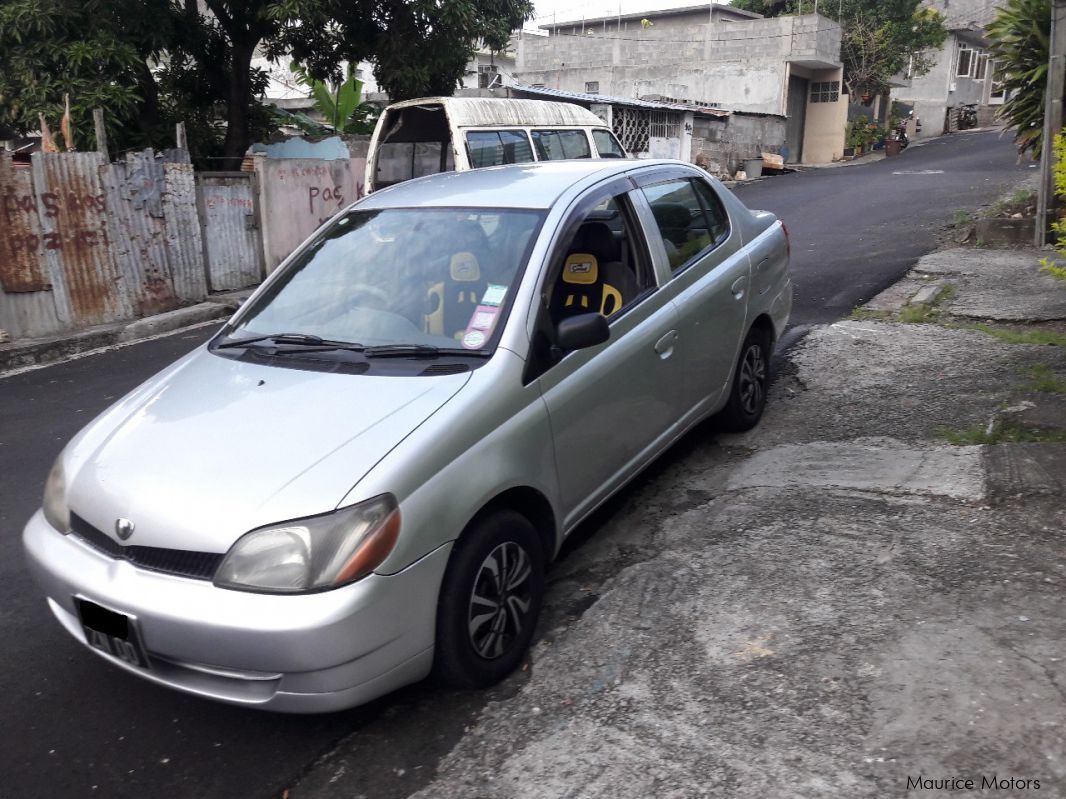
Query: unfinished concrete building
(781, 78)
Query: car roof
(529, 185)
(467, 112)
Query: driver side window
(602, 266)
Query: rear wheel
(489, 601)
(751, 380)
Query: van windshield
(436, 277)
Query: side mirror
(582, 331)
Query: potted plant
(858, 135)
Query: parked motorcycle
(967, 117)
(900, 133)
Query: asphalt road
(76, 726)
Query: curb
(39, 351)
(928, 295)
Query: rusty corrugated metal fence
(229, 218)
(86, 242)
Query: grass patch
(1015, 336)
(927, 313)
(1042, 379)
(919, 314)
(1003, 433)
(962, 217)
(861, 314)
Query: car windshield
(428, 277)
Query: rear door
(710, 282)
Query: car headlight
(313, 554)
(55, 498)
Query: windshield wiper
(402, 351)
(295, 340)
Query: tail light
(788, 241)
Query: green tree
(150, 62)
(879, 38)
(97, 51)
(1020, 37)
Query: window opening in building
(825, 91)
(488, 76)
(665, 125)
(631, 126)
(965, 65)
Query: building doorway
(797, 117)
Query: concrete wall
(738, 65)
(296, 195)
(722, 145)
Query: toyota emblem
(123, 528)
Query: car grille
(181, 562)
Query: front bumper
(304, 653)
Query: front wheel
(751, 380)
(489, 601)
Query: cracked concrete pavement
(830, 605)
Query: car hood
(213, 447)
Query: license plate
(112, 633)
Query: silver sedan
(362, 478)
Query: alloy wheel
(752, 379)
(500, 601)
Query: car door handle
(738, 287)
(665, 346)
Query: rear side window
(681, 221)
(716, 213)
(495, 147)
(557, 145)
(607, 145)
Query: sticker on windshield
(494, 294)
(482, 320)
(473, 339)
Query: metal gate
(229, 216)
(632, 127)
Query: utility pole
(101, 133)
(1056, 87)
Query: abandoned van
(442, 134)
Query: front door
(609, 404)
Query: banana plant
(1020, 37)
(341, 104)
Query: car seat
(451, 303)
(593, 276)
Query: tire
(481, 640)
(751, 380)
